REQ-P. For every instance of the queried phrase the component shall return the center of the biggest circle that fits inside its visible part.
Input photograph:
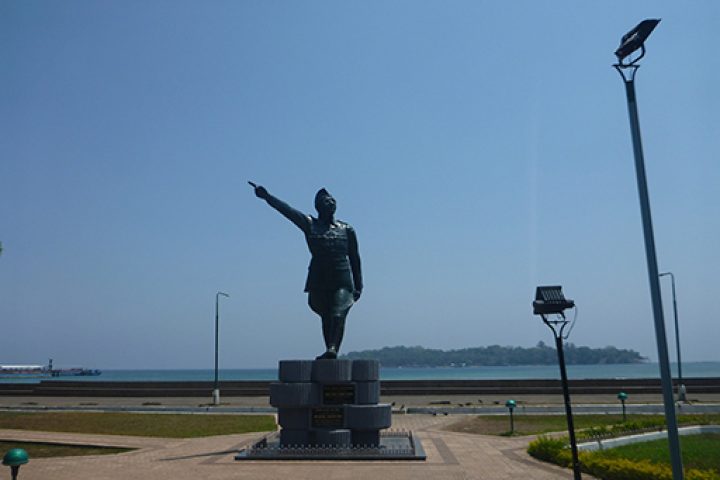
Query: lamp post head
(510, 404)
(622, 396)
(222, 293)
(635, 39)
(550, 300)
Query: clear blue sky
(479, 148)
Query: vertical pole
(623, 405)
(568, 410)
(216, 390)
(512, 422)
(675, 458)
(681, 387)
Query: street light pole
(558, 334)
(631, 42)
(216, 388)
(681, 387)
(549, 300)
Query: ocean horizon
(514, 372)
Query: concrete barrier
(75, 388)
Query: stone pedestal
(329, 403)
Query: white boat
(39, 371)
(23, 371)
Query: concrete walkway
(449, 456)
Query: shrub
(623, 469)
(620, 428)
(555, 450)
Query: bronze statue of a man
(334, 280)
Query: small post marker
(13, 459)
(622, 396)
(510, 404)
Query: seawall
(634, 386)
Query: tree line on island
(495, 355)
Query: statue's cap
(322, 193)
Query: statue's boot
(327, 336)
(336, 335)
(330, 354)
(327, 331)
(333, 331)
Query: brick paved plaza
(449, 456)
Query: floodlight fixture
(549, 300)
(634, 40)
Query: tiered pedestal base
(329, 403)
(330, 410)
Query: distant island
(495, 355)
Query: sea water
(516, 372)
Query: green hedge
(649, 422)
(621, 428)
(556, 451)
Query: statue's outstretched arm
(301, 220)
(354, 257)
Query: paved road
(449, 456)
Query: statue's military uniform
(332, 252)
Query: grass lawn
(47, 450)
(536, 424)
(141, 424)
(698, 451)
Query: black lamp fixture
(635, 39)
(550, 301)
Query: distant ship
(39, 371)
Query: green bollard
(13, 459)
(510, 404)
(622, 396)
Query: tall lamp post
(551, 301)
(627, 67)
(216, 388)
(681, 387)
